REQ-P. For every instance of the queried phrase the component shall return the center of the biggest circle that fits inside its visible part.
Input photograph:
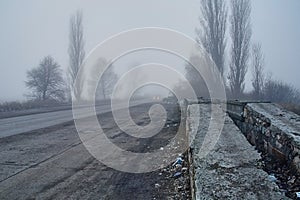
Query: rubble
(175, 179)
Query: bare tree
(46, 80)
(213, 29)
(76, 52)
(106, 82)
(257, 70)
(241, 35)
(195, 79)
(280, 92)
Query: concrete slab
(230, 170)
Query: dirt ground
(52, 163)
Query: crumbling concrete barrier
(230, 170)
(271, 129)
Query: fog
(32, 29)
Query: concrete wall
(270, 128)
(230, 170)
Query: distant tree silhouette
(106, 82)
(76, 52)
(258, 77)
(280, 92)
(211, 34)
(240, 51)
(195, 79)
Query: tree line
(225, 33)
(215, 22)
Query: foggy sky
(32, 29)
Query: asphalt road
(16, 125)
(52, 163)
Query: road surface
(52, 163)
(21, 124)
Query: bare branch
(280, 92)
(46, 80)
(213, 28)
(106, 82)
(258, 76)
